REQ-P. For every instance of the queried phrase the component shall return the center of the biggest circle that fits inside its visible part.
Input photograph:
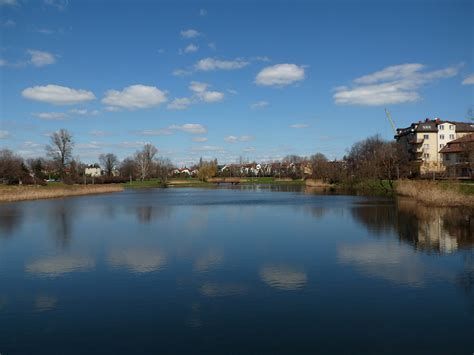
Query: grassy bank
(436, 193)
(22, 193)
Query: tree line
(370, 159)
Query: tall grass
(21, 193)
(435, 193)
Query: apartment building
(424, 140)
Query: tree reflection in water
(10, 219)
(429, 229)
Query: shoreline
(27, 193)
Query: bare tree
(60, 149)
(12, 168)
(163, 167)
(144, 160)
(109, 162)
(128, 168)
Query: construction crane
(389, 116)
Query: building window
(426, 146)
(441, 146)
(426, 136)
(451, 127)
(441, 136)
(441, 128)
(448, 157)
(426, 155)
(451, 136)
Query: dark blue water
(243, 270)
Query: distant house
(93, 170)
(458, 157)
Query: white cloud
(299, 125)
(179, 103)
(84, 112)
(234, 139)
(98, 133)
(57, 95)
(40, 58)
(51, 116)
(468, 80)
(198, 87)
(191, 48)
(212, 46)
(193, 128)
(8, 2)
(200, 139)
(181, 72)
(46, 31)
(4, 134)
(280, 75)
(211, 96)
(231, 139)
(392, 85)
(249, 150)
(208, 64)
(3, 62)
(156, 132)
(259, 104)
(135, 97)
(201, 92)
(202, 12)
(190, 33)
(59, 4)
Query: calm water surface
(234, 270)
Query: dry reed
(22, 193)
(433, 193)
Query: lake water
(245, 270)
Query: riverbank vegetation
(436, 193)
(55, 190)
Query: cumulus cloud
(84, 112)
(181, 72)
(198, 87)
(392, 85)
(203, 94)
(193, 128)
(468, 80)
(299, 125)
(191, 48)
(51, 116)
(195, 139)
(208, 64)
(259, 104)
(4, 134)
(280, 75)
(59, 4)
(135, 97)
(191, 33)
(57, 95)
(234, 139)
(211, 96)
(40, 58)
(179, 103)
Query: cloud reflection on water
(283, 277)
(59, 265)
(138, 260)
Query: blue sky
(227, 79)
